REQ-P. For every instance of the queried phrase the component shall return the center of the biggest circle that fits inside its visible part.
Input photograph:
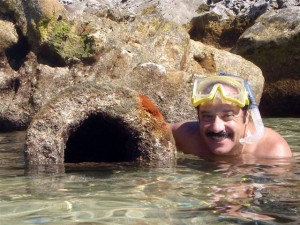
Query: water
(193, 192)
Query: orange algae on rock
(149, 107)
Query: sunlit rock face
(144, 52)
(273, 43)
(99, 123)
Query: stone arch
(133, 119)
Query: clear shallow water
(193, 192)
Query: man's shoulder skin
(187, 138)
(272, 145)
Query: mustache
(221, 134)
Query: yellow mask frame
(206, 89)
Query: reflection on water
(194, 192)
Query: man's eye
(206, 117)
(228, 116)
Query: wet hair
(245, 108)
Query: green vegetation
(66, 39)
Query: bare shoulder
(186, 135)
(184, 128)
(273, 145)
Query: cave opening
(102, 138)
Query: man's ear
(246, 117)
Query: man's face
(222, 124)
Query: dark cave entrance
(101, 138)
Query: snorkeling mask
(238, 91)
(206, 89)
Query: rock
(8, 37)
(178, 11)
(63, 42)
(273, 41)
(27, 13)
(160, 58)
(15, 110)
(273, 44)
(13, 11)
(44, 9)
(98, 123)
(221, 23)
(49, 33)
(209, 29)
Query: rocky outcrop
(273, 43)
(8, 37)
(99, 122)
(145, 53)
(221, 23)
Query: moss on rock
(66, 39)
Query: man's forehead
(226, 87)
(222, 106)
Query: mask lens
(231, 89)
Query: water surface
(195, 191)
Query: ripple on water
(195, 192)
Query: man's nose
(218, 124)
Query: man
(229, 123)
